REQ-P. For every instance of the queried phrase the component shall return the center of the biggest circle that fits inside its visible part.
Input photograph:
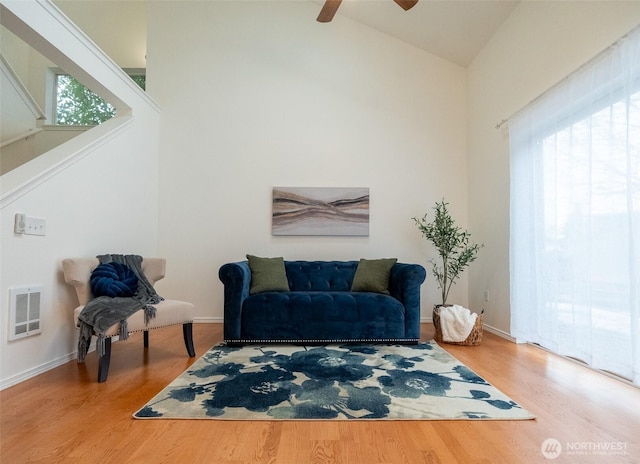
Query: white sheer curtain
(575, 214)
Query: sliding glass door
(575, 214)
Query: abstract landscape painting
(320, 211)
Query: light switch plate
(29, 225)
(35, 226)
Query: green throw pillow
(267, 275)
(372, 275)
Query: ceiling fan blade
(328, 10)
(406, 4)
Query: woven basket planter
(474, 338)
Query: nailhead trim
(318, 340)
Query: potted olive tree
(453, 245)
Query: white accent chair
(77, 272)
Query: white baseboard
(488, 328)
(208, 320)
(26, 375)
(500, 333)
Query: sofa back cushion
(320, 276)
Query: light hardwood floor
(65, 416)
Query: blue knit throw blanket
(102, 312)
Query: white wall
(539, 44)
(98, 193)
(259, 94)
(117, 27)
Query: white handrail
(22, 91)
(25, 135)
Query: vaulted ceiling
(455, 30)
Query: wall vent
(24, 319)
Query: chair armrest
(404, 285)
(236, 278)
(77, 272)
(154, 269)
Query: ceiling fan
(331, 6)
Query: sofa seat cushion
(322, 316)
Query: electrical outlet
(486, 296)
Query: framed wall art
(320, 211)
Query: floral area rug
(274, 382)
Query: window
(76, 105)
(575, 214)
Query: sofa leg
(187, 332)
(146, 339)
(103, 362)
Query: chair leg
(103, 362)
(187, 331)
(146, 339)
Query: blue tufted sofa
(320, 306)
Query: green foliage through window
(141, 80)
(76, 105)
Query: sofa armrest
(236, 278)
(404, 285)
